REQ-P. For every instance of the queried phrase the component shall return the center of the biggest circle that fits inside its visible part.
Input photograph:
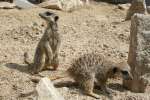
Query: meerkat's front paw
(110, 91)
(93, 95)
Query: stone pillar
(139, 53)
(137, 6)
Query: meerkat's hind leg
(47, 64)
(48, 56)
(39, 62)
(55, 62)
(88, 86)
(88, 89)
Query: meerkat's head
(51, 19)
(124, 69)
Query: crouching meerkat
(47, 50)
(94, 68)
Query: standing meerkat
(94, 68)
(47, 50)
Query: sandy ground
(99, 27)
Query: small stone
(123, 6)
(6, 5)
(105, 45)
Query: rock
(6, 5)
(70, 5)
(137, 6)
(139, 53)
(46, 90)
(23, 4)
(123, 6)
(51, 4)
(65, 5)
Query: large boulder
(139, 53)
(65, 5)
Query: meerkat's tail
(62, 75)
(26, 58)
(52, 78)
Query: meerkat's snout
(125, 70)
(126, 75)
(49, 16)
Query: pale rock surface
(51, 4)
(23, 4)
(69, 5)
(65, 5)
(139, 53)
(46, 90)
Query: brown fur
(48, 48)
(93, 67)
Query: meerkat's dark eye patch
(124, 72)
(48, 13)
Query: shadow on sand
(19, 67)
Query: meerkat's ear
(56, 18)
(115, 69)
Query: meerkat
(93, 68)
(47, 50)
